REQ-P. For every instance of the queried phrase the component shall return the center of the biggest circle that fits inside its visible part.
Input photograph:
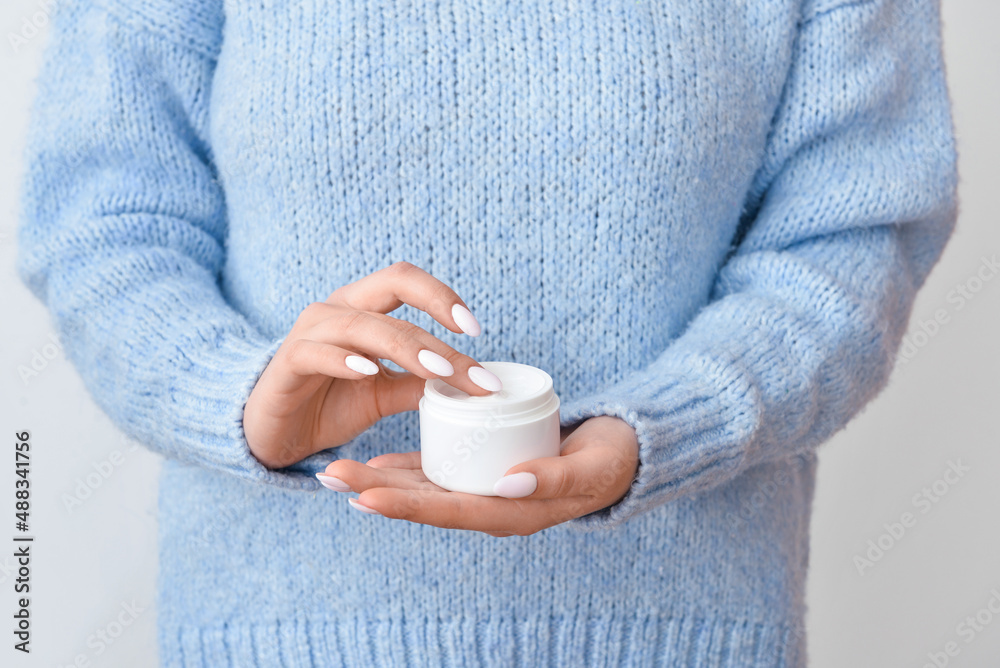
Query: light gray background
(94, 558)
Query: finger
(455, 510)
(398, 392)
(406, 344)
(395, 392)
(360, 477)
(403, 283)
(307, 358)
(591, 471)
(396, 460)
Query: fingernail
(517, 485)
(435, 363)
(361, 365)
(485, 379)
(465, 320)
(330, 482)
(362, 507)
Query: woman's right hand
(324, 385)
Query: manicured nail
(465, 320)
(362, 507)
(330, 482)
(435, 363)
(517, 485)
(361, 365)
(485, 379)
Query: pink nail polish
(517, 485)
(362, 507)
(465, 320)
(435, 363)
(485, 379)
(331, 482)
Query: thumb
(578, 471)
(396, 392)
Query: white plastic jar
(467, 443)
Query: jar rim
(526, 389)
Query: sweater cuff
(213, 385)
(691, 435)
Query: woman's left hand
(597, 463)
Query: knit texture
(709, 219)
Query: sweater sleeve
(850, 209)
(123, 224)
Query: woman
(707, 222)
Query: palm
(597, 462)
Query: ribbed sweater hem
(632, 639)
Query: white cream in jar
(467, 443)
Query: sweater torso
(577, 172)
(708, 219)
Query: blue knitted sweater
(707, 218)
